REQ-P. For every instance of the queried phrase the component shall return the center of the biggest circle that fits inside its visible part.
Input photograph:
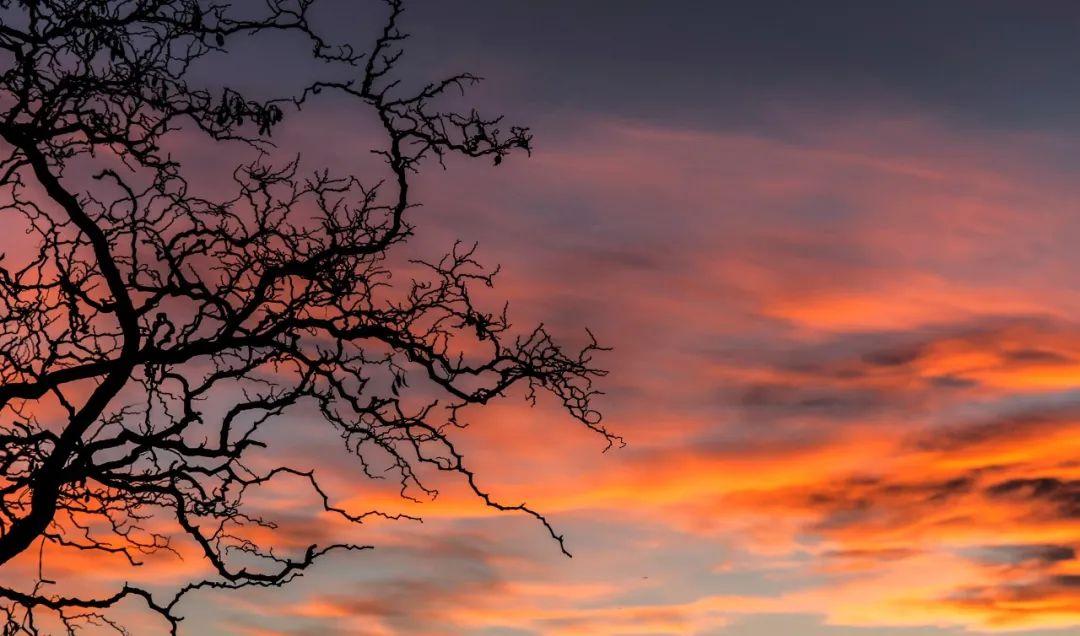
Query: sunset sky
(834, 246)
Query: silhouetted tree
(141, 299)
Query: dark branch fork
(135, 308)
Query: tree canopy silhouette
(134, 299)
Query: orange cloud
(847, 368)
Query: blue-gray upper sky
(981, 62)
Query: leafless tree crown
(133, 300)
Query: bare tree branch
(142, 303)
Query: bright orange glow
(827, 413)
